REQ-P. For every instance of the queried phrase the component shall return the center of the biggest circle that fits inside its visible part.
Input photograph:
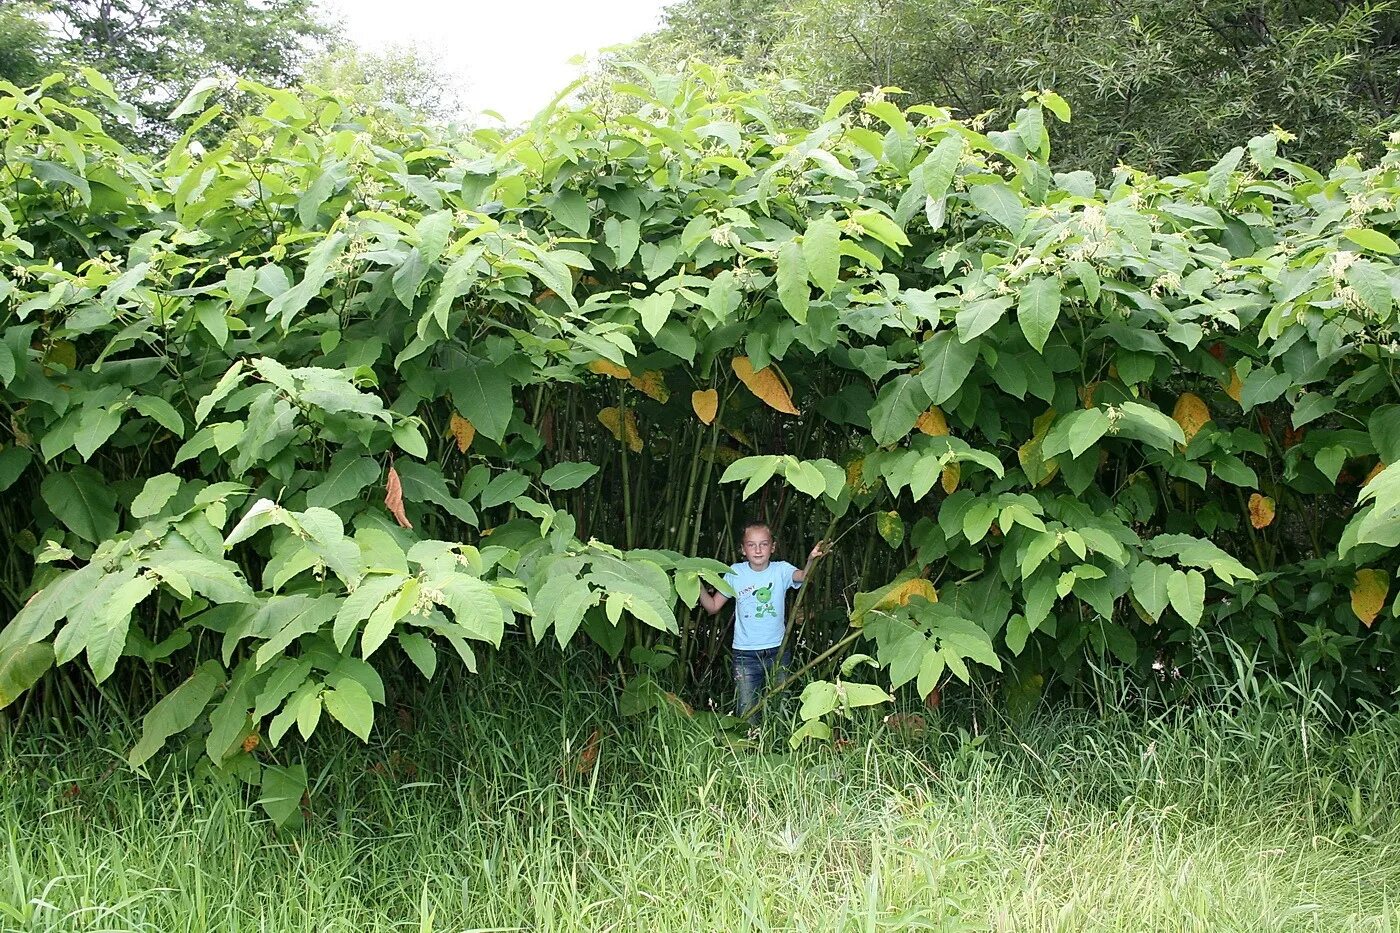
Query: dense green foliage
(1161, 85)
(511, 804)
(313, 405)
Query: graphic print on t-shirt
(764, 607)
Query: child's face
(758, 547)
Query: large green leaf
(897, 408)
(21, 666)
(821, 252)
(793, 291)
(176, 711)
(482, 393)
(1038, 309)
(947, 363)
(84, 501)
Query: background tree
(154, 51)
(24, 43)
(402, 79)
(1164, 86)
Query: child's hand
(819, 550)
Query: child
(760, 587)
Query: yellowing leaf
(611, 419)
(1368, 592)
(653, 385)
(765, 384)
(1261, 511)
(952, 475)
(891, 527)
(1191, 413)
(933, 423)
(1233, 386)
(901, 594)
(706, 403)
(740, 435)
(854, 469)
(609, 368)
(463, 431)
(1037, 469)
(1375, 471)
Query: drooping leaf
(176, 711)
(21, 666)
(821, 253)
(1038, 309)
(793, 291)
(612, 419)
(765, 384)
(393, 498)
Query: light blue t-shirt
(760, 603)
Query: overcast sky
(512, 55)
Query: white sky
(512, 55)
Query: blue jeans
(752, 671)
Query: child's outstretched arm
(819, 550)
(712, 600)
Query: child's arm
(819, 550)
(712, 600)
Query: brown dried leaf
(1368, 592)
(1086, 394)
(393, 499)
(463, 430)
(706, 404)
(588, 755)
(608, 368)
(1191, 413)
(765, 384)
(653, 385)
(933, 423)
(250, 741)
(1375, 471)
(910, 724)
(1261, 510)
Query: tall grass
(484, 809)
